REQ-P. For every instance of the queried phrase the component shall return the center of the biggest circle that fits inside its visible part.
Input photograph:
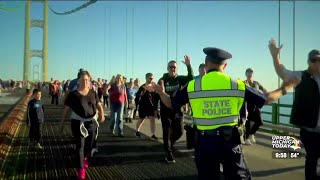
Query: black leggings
(35, 132)
(83, 145)
(105, 100)
(55, 97)
(171, 128)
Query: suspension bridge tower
(36, 73)
(28, 53)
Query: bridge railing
(278, 113)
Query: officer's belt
(216, 132)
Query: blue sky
(101, 39)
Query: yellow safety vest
(215, 100)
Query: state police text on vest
(218, 107)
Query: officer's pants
(312, 147)
(213, 149)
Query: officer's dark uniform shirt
(252, 96)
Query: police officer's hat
(216, 55)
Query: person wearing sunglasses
(306, 106)
(172, 121)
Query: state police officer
(216, 100)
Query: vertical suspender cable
(109, 42)
(294, 34)
(177, 24)
(126, 42)
(132, 43)
(279, 24)
(85, 53)
(89, 65)
(279, 40)
(167, 32)
(104, 42)
(294, 39)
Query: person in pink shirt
(118, 101)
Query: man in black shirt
(171, 123)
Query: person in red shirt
(54, 91)
(118, 101)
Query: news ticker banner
(286, 147)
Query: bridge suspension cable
(167, 32)
(132, 74)
(90, 2)
(109, 42)
(3, 7)
(177, 24)
(104, 42)
(279, 40)
(126, 74)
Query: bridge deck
(125, 158)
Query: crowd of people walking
(215, 101)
